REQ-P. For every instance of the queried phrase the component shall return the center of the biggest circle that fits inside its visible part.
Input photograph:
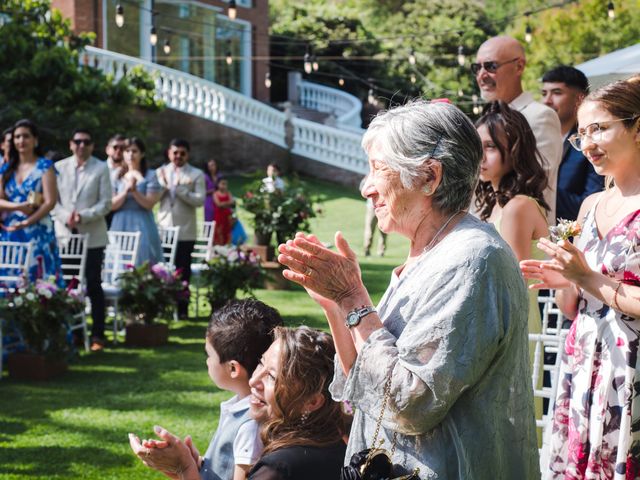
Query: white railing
(344, 106)
(340, 148)
(196, 96)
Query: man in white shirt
(500, 63)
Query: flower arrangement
(40, 311)
(149, 292)
(565, 230)
(283, 211)
(229, 270)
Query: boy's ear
(236, 370)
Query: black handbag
(376, 463)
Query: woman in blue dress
(136, 191)
(28, 192)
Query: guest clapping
(449, 337)
(597, 281)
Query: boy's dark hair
(86, 131)
(180, 142)
(570, 76)
(242, 330)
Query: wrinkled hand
(170, 456)
(332, 276)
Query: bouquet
(565, 230)
(229, 270)
(151, 292)
(39, 311)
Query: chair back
(15, 258)
(122, 250)
(169, 242)
(203, 247)
(73, 250)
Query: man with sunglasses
(498, 69)
(563, 89)
(115, 162)
(84, 198)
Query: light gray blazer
(91, 198)
(179, 210)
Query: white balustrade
(344, 106)
(340, 148)
(184, 92)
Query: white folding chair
(549, 341)
(202, 252)
(15, 258)
(73, 250)
(122, 250)
(169, 242)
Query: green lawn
(77, 425)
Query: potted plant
(230, 270)
(39, 313)
(283, 211)
(149, 294)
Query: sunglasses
(79, 141)
(491, 67)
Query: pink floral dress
(596, 424)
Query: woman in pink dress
(596, 422)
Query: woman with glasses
(596, 423)
(28, 193)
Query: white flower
(18, 301)
(30, 296)
(47, 294)
(21, 291)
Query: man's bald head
(504, 83)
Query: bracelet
(615, 297)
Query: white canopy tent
(616, 65)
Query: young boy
(237, 336)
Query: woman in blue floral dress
(596, 422)
(28, 193)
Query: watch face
(353, 319)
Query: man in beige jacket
(184, 192)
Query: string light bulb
(229, 58)
(267, 80)
(370, 98)
(528, 34)
(611, 10)
(460, 92)
(119, 16)
(153, 36)
(167, 47)
(314, 64)
(412, 57)
(341, 82)
(476, 108)
(413, 78)
(461, 58)
(232, 12)
(307, 63)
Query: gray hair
(411, 136)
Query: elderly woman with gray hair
(439, 370)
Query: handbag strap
(385, 400)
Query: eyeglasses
(79, 141)
(594, 131)
(491, 67)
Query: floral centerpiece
(40, 312)
(150, 292)
(230, 270)
(283, 211)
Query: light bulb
(153, 36)
(267, 80)
(307, 63)
(412, 58)
(611, 10)
(370, 98)
(460, 92)
(167, 47)
(528, 36)
(315, 64)
(413, 78)
(476, 110)
(232, 12)
(474, 97)
(461, 57)
(119, 16)
(341, 82)
(229, 58)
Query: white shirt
(247, 447)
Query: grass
(76, 426)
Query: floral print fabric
(596, 423)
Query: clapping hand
(170, 455)
(566, 266)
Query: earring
(304, 417)
(427, 189)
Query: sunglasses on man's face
(80, 141)
(491, 66)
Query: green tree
(41, 79)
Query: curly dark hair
(306, 368)
(516, 143)
(14, 156)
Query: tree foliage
(41, 79)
